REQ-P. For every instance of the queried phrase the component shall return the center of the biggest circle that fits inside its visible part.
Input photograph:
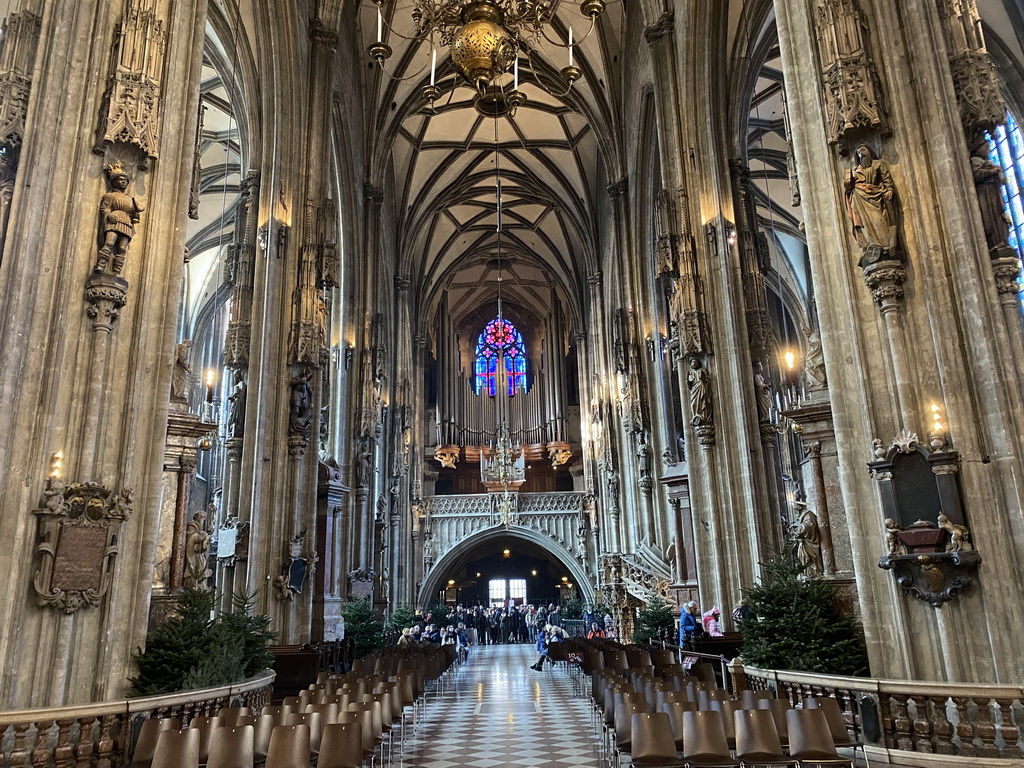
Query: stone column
(940, 336)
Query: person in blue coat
(689, 623)
(542, 646)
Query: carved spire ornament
(131, 103)
(20, 39)
(240, 276)
(853, 93)
(981, 102)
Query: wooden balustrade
(914, 717)
(100, 735)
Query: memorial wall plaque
(79, 527)
(78, 563)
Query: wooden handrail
(99, 735)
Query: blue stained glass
(1008, 152)
(500, 338)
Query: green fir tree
(252, 632)
(573, 607)
(402, 617)
(363, 626)
(190, 650)
(793, 624)
(654, 622)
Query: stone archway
(432, 581)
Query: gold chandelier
(485, 39)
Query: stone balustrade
(946, 721)
(99, 735)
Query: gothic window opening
(500, 340)
(1007, 151)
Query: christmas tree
(190, 650)
(363, 626)
(793, 624)
(654, 622)
(251, 631)
(402, 617)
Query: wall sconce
(56, 464)
(937, 436)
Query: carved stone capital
(187, 464)
(373, 193)
(1006, 271)
(618, 188)
(885, 279)
(323, 35)
(665, 24)
(297, 446)
(595, 278)
(402, 283)
(106, 295)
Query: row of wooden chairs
(702, 741)
(372, 704)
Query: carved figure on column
(698, 381)
(643, 455)
(301, 413)
(893, 544)
(988, 182)
(814, 362)
(363, 463)
(613, 487)
(8, 175)
(119, 213)
(236, 408)
(197, 548)
(958, 534)
(182, 373)
(807, 540)
(762, 394)
(870, 194)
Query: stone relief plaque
(78, 561)
(79, 531)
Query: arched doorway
(524, 545)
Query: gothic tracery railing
(555, 516)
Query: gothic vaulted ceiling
(443, 165)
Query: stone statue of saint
(698, 380)
(814, 363)
(363, 464)
(324, 427)
(301, 413)
(613, 485)
(236, 409)
(762, 394)
(807, 540)
(643, 455)
(119, 213)
(869, 202)
(8, 175)
(181, 375)
(988, 182)
(197, 548)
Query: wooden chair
(229, 715)
(206, 726)
(624, 711)
(263, 729)
(231, 747)
(328, 712)
(810, 740)
(145, 745)
(363, 720)
(750, 698)
(653, 742)
(312, 720)
(341, 746)
(674, 710)
(778, 708)
(728, 708)
(757, 740)
(289, 747)
(836, 724)
(177, 749)
(704, 742)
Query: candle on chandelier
(570, 46)
(380, 24)
(433, 65)
(515, 74)
(209, 386)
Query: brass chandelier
(486, 39)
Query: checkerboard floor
(499, 712)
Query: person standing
(689, 624)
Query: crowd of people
(467, 626)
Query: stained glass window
(1008, 153)
(500, 339)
